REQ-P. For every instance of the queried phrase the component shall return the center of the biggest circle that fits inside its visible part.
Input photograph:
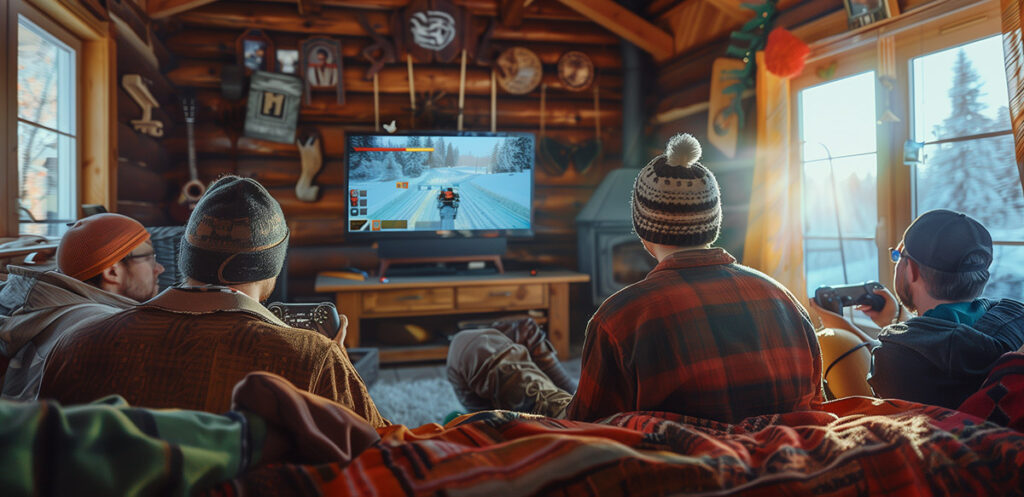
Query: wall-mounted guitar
(193, 189)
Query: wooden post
(462, 89)
(412, 92)
(558, 318)
(376, 104)
(494, 101)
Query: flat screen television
(428, 185)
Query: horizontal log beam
(138, 147)
(394, 79)
(536, 10)
(343, 22)
(158, 9)
(136, 182)
(219, 44)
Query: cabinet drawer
(501, 296)
(416, 299)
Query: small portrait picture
(321, 66)
(255, 51)
(860, 13)
(287, 60)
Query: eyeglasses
(150, 257)
(896, 254)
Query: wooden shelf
(404, 297)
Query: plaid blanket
(854, 446)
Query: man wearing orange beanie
(187, 346)
(106, 264)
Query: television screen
(431, 183)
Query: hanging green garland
(744, 43)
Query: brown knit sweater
(188, 347)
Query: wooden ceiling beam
(626, 24)
(309, 7)
(157, 9)
(731, 9)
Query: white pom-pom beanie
(675, 199)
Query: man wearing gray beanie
(701, 335)
(189, 345)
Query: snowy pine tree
(428, 157)
(492, 166)
(414, 161)
(390, 170)
(437, 160)
(964, 175)
(449, 156)
(361, 163)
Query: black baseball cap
(942, 240)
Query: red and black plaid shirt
(701, 336)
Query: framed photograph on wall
(320, 66)
(255, 51)
(287, 60)
(860, 13)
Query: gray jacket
(37, 308)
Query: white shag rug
(416, 402)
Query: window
(961, 116)
(47, 141)
(945, 94)
(839, 154)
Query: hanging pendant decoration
(432, 30)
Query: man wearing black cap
(188, 346)
(941, 355)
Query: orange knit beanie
(98, 242)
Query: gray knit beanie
(236, 234)
(675, 199)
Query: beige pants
(489, 371)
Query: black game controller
(322, 318)
(835, 298)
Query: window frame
(20, 9)
(96, 102)
(943, 27)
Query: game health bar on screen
(387, 149)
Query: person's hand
(342, 330)
(830, 319)
(884, 316)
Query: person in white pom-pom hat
(701, 335)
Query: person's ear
(913, 272)
(113, 274)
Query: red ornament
(785, 54)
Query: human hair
(95, 280)
(966, 286)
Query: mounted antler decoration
(136, 88)
(312, 160)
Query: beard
(904, 294)
(141, 291)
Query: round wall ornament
(519, 70)
(575, 70)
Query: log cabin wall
(142, 159)
(203, 41)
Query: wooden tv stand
(452, 295)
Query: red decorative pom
(784, 54)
